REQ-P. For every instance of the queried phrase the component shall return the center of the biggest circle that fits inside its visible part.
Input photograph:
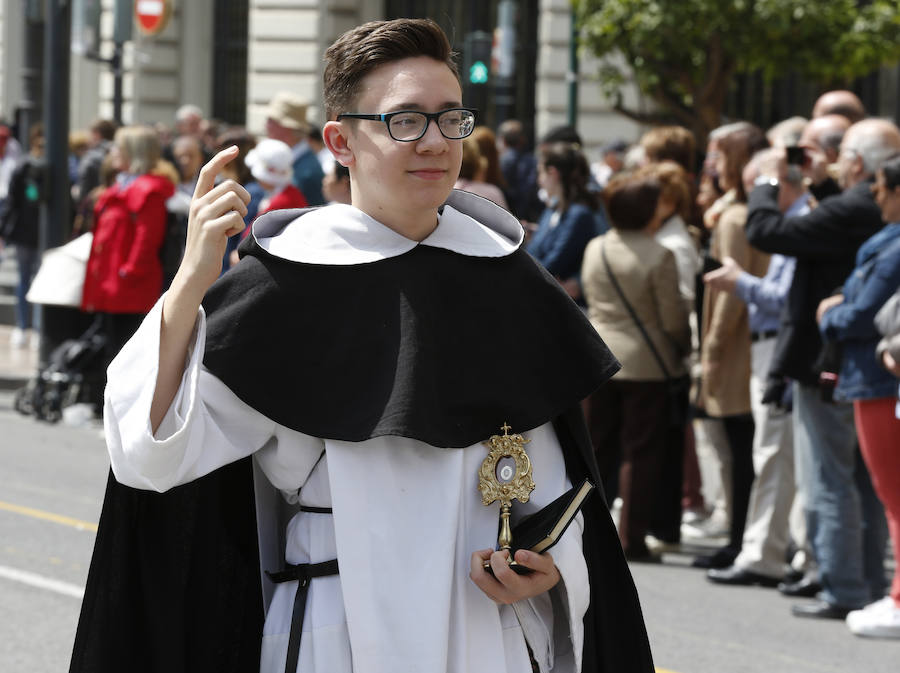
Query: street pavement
(52, 479)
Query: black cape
(432, 345)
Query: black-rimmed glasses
(410, 125)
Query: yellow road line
(87, 525)
(48, 516)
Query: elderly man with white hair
(844, 519)
(188, 120)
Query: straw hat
(289, 110)
(271, 161)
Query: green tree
(684, 53)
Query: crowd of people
(740, 294)
(752, 298)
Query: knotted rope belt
(302, 573)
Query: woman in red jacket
(124, 272)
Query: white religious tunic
(406, 515)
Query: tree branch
(714, 63)
(651, 118)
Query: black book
(538, 532)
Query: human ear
(335, 135)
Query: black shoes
(805, 588)
(819, 610)
(739, 577)
(723, 558)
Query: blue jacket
(308, 177)
(560, 248)
(873, 281)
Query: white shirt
(673, 235)
(407, 515)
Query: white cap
(271, 161)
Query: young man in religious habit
(353, 364)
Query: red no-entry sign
(152, 15)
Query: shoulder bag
(678, 388)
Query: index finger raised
(207, 178)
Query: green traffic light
(478, 73)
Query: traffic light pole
(56, 122)
(572, 74)
(504, 88)
(55, 207)
(29, 110)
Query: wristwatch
(766, 180)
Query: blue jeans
(28, 261)
(845, 520)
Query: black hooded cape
(430, 344)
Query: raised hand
(217, 212)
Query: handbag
(60, 279)
(677, 388)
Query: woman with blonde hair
(124, 272)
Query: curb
(11, 383)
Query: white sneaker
(880, 619)
(17, 338)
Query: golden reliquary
(505, 475)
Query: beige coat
(725, 332)
(648, 275)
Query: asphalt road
(51, 484)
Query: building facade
(229, 58)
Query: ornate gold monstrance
(505, 475)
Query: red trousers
(878, 429)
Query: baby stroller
(74, 369)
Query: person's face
(276, 131)
(190, 125)
(37, 147)
(117, 158)
(614, 160)
(712, 155)
(849, 167)
(887, 199)
(548, 179)
(189, 160)
(393, 181)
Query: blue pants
(845, 520)
(28, 261)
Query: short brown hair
(631, 201)
(673, 184)
(105, 128)
(361, 50)
(674, 143)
